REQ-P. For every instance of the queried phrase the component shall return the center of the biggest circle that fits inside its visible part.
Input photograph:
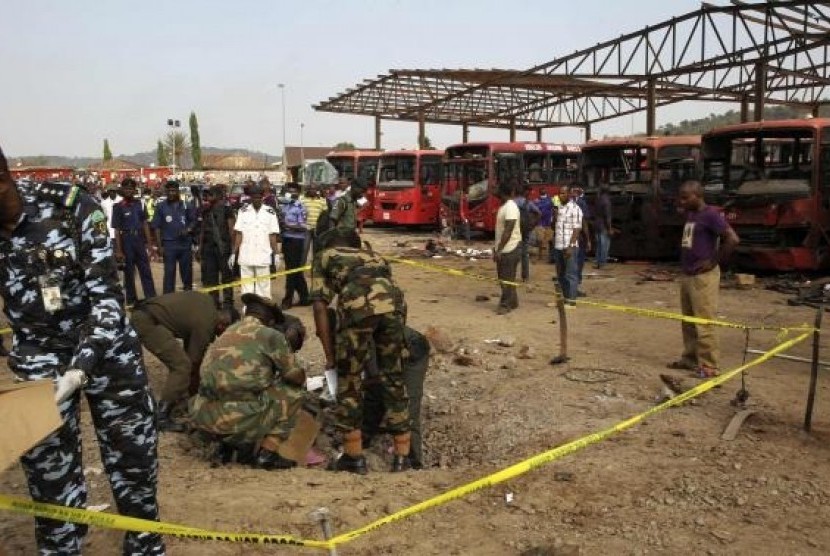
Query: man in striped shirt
(314, 205)
(566, 244)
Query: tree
(107, 151)
(344, 146)
(427, 143)
(195, 145)
(161, 154)
(176, 142)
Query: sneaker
(352, 464)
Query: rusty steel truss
(750, 53)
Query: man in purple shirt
(293, 242)
(707, 241)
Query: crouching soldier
(251, 388)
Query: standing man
(161, 322)
(529, 216)
(256, 245)
(507, 251)
(602, 226)
(216, 244)
(174, 221)
(544, 232)
(133, 241)
(707, 241)
(69, 326)
(584, 237)
(314, 205)
(109, 200)
(566, 245)
(372, 310)
(293, 243)
(344, 212)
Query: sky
(78, 72)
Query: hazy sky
(79, 71)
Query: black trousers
(214, 266)
(292, 249)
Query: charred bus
(474, 171)
(408, 188)
(643, 176)
(773, 181)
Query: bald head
(690, 196)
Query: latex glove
(330, 392)
(67, 384)
(232, 260)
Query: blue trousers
(178, 252)
(135, 257)
(567, 272)
(603, 246)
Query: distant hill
(143, 158)
(702, 125)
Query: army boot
(269, 461)
(165, 421)
(352, 464)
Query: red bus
(408, 187)
(473, 172)
(773, 181)
(643, 175)
(361, 165)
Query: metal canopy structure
(775, 52)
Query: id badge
(50, 291)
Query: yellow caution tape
(605, 305)
(115, 521)
(560, 451)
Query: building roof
(237, 162)
(114, 164)
(295, 155)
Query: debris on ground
(655, 275)
(439, 340)
(482, 297)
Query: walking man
(256, 245)
(706, 242)
(567, 228)
(215, 245)
(174, 221)
(293, 243)
(344, 212)
(602, 226)
(69, 326)
(132, 242)
(507, 251)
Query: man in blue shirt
(544, 228)
(132, 240)
(293, 244)
(174, 221)
(584, 236)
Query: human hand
(232, 260)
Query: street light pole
(172, 125)
(302, 150)
(282, 94)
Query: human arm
(509, 226)
(729, 240)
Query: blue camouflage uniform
(62, 242)
(175, 221)
(128, 219)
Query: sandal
(681, 365)
(706, 372)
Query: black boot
(401, 463)
(352, 464)
(269, 460)
(165, 422)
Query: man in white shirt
(566, 244)
(507, 251)
(256, 244)
(111, 198)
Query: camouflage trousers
(251, 416)
(353, 348)
(122, 411)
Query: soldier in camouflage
(251, 387)
(63, 299)
(370, 309)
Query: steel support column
(760, 90)
(744, 109)
(816, 110)
(465, 132)
(587, 132)
(538, 134)
(422, 134)
(651, 108)
(377, 132)
(512, 129)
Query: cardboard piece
(302, 437)
(28, 414)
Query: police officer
(371, 310)
(161, 322)
(132, 240)
(59, 282)
(174, 221)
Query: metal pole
(377, 132)
(744, 109)
(465, 132)
(322, 516)
(760, 90)
(421, 130)
(825, 364)
(282, 95)
(587, 132)
(302, 149)
(538, 134)
(811, 393)
(651, 108)
(512, 130)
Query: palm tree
(177, 143)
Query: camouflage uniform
(370, 309)
(62, 241)
(243, 396)
(344, 212)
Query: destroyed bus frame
(360, 165)
(408, 188)
(773, 181)
(643, 176)
(473, 173)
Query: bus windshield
(343, 165)
(616, 166)
(775, 162)
(396, 172)
(467, 176)
(547, 168)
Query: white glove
(276, 258)
(330, 393)
(232, 260)
(67, 384)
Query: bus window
(430, 171)
(535, 168)
(367, 171)
(508, 168)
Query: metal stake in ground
(323, 517)
(811, 394)
(563, 326)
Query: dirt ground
(668, 486)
